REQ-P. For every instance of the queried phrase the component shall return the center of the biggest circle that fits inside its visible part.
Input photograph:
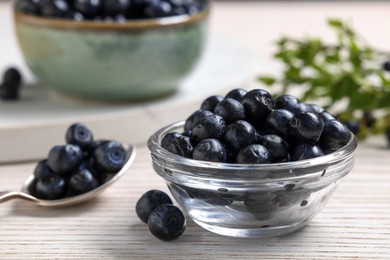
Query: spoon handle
(9, 195)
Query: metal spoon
(25, 194)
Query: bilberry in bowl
(111, 50)
(273, 186)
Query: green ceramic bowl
(136, 60)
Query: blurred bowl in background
(112, 61)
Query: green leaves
(335, 23)
(268, 80)
(346, 76)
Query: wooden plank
(354, 224)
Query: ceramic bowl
(249, 200)
(112, 61)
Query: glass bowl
(246, 200)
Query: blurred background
(240, 47)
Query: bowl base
(262, 232)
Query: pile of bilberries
(253, 127)
(79, 166)
(109, 10)
(165, 221)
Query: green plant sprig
(347, 77)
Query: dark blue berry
(74, 15)
(178, 10)
(188, 134)
(42, 170)
(239, 135)
(29, 6)
(138, 9)
(369, 119)
(230, 109)
(89, 8)
(168, 138)
(306, 127)
(292, 104)
(110, 156)
(79, 134)
(212, 126)
(276, 145)
(387, 135)
(120, 18)
(54, 8)
(194, 118)
(157, 9)
(211, 102)
(192, 9)
(286, 102)
(209, 150)
(353, 126)
(237, 94)
(334, 136)
(149, 201)
(386, 65)
(90, 164)
(306, 151)
(12, 77)
(277, 122)
(142, 3)
(326, 116)
(181, 145)
(258, 104)
(177, 3)
(82, 181)
(262, 208)
(167, 222)
(9, 91)
(116, 7)
(300, 108)
(253, 154)
(64, 159)
(315, 108)
(50, 188)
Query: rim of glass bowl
(215, 170)
(136, 24)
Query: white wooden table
(355, 224)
